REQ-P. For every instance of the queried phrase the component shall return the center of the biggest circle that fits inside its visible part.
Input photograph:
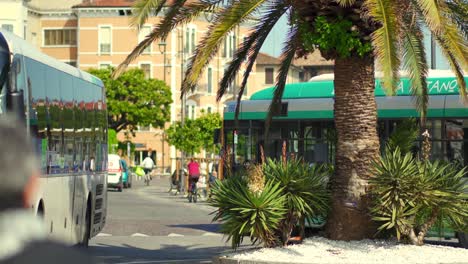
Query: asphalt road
(146, 224)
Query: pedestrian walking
(23, 235)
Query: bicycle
(193, 192)
(147, 177)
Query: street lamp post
(162, 48)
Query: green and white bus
(305, 122)
(64, 110)
(305, 119)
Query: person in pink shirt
(194, 175)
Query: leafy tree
(134, 100)
(355, 34)
(194, 134)
(112, 141)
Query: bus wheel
(86, 234)
(40, 210)
(463, 239)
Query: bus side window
(99, 128)
(35, 72)
(66, 85)
(78, 123)
(55, 152)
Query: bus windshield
(3, 67)
(4, 61)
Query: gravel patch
(322, 250)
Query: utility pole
(182, 106)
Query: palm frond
(346, 3)
(430, 10)
(456, 68)
(459, 14)
(287, 56)
(441, 25)
(142, 9)
(225, 22)
(178, 14)
(250, 48)
(414, 61)
(384, 41)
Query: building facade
(267, 68)
(97, 34)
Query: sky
(274, 42)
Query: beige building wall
(293, 76)
(13, 16)
(124, 38)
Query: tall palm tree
(354, 33)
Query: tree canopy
(195, 134)
(134, 100)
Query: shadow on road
(126, 253)
(203, 227)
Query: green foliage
(269, 200)
(304, 185)
(134, 100)
(195, 134)
(404, 136)
(410, 196)
(112, 141)
(305, 189)
(333, 36)
(247, 213)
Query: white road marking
(103, 235)
(175, 235)
(139, 235)
(211, 234)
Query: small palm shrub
(305, 189)
(404, 136)
(244, 212)
(410, 195)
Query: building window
(105, 40)
(145, 31)
(104, 65)
(190, 40)
(143, 128)
(190, 109)
(146, 68)
(229, 45)
(72, 63)
(269, 72)
(7, 27)
(208, 109)
(210, 81)
(59, 37)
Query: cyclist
(148, 166)
(194, 175)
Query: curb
(226, 260)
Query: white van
(114, 178)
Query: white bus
(64, 110)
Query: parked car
(115, 172)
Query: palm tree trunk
(357, 146)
